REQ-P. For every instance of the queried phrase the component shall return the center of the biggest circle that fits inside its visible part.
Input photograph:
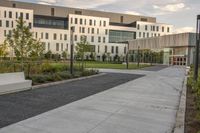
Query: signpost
(197, 49)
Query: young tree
(48, 55)
(82, 47)
(64, 55)
(3, 49)
(37, 49)
(22, 41)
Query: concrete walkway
(145, 105)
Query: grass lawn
(112, 65)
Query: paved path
(19, 106)
(144, 105)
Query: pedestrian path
(144, 105)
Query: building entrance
(178, 60)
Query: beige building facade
(178, 49)
(105, 31)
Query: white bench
(14, 82)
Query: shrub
(39, 79)
(64, 75)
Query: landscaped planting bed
(192, 120)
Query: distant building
(179, 49)
(104, 30)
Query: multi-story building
(105, 31)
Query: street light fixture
(72, 29)
(197, 48)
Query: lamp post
(138, 58)
(197, 49)
(127, 56)
(72, 29)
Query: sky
(180, 13)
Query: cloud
(47, 2)
(184, 29)
(132, 12)
(84, 3)
(171, 7)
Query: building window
(106, 49)
(104, 23)
(5, 14)
(99, 39)
(71, 20)
(42, 35)
(27, 16)
(5, 34)
(157, 28)
(146, 27)
(144, 19)
(67, 46)
(48, 46)
(16, 15)
(80, 29)
(78, 12)
(98, 31)
(117, 50)
(168, 29)
(13, 5)
(112, 49)
(153, 28)
(52, 11)
(92, 30)
(54, 36)
(65, 37)
(100, 23)
(36, 35)
(81, 21)
(147, 34)
(0, 23)
(57, 46)
(90, 22)
(75, 38)
(104, 39)
(88, 30)
(143, 34)
(12, 24)
(98, 48)
(92, 38)
(21, 15)
(10, 14)
(85, 22)
(138, 26)
(83, 30)
(106, 32)
(60, 36)
(30, 25)
(61, 46)
(46, 36)
(94, 22)
(139, 34)
(7, 23)
(76, 21)
(163, 29)
(122, 19)
(10, 32)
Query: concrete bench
(14, 82)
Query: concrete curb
(180, 116)
(66, 81)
